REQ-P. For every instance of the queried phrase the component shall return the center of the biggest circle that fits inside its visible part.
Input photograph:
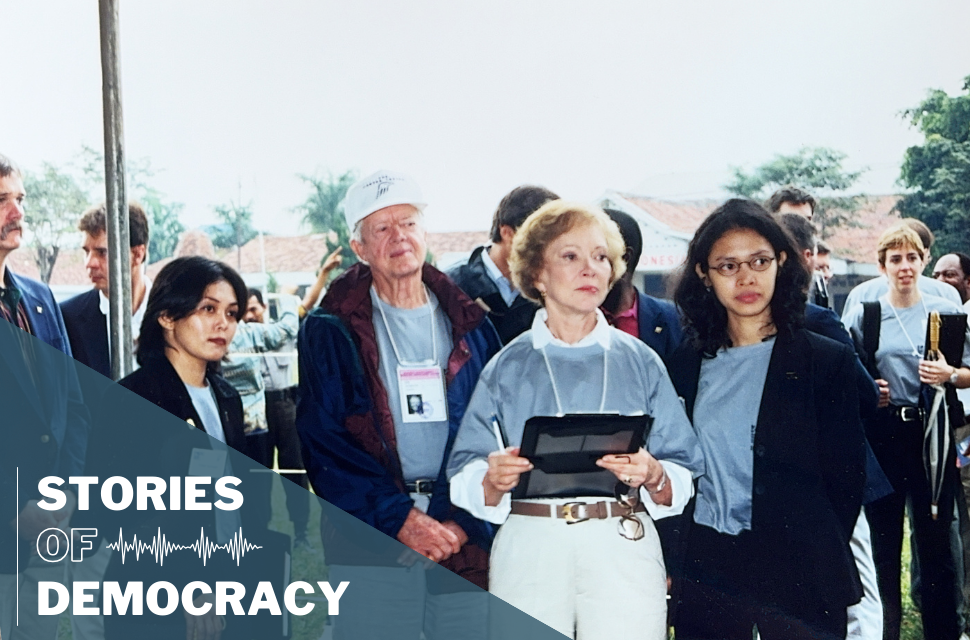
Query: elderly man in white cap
(398, 328)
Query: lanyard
(901, 326)
(390, 334)
(555, 389)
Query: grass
(911, 628)
(309, 565)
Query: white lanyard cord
(390, 334)
(555, 389)
(901, 326)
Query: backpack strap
(871, 323)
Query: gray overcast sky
(474, 98)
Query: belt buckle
(569, 514)
(909, 414)
(423, 487)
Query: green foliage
(54, 204)
(322, 210)
(938, 171)
(817, 170)
(164, 224)
(272, 286)
(238, 228)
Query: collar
(491, 268)
(541, 336)
(632, 312)
(104, 304)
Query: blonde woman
(897, 438)
(600, 578)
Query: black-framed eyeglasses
(728, 269)
(629, 525)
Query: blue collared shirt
(505, 288)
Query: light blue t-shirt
(204, 401)
(902, 341)
(420, 445)
(726, 411)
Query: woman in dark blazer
(776, 411)
(189, 322)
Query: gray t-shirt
(902, 342)
(204, 401)
(729, 392)
(872, 290)
(420, 445)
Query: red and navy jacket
(343, 415)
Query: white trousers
(392, 602)
(865, 617)
(583, 580)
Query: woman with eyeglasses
(601, 577)
(776, 411)
(898, 324)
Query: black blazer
(87, 330)
(809, 462)
(132, 439)
(158, 383)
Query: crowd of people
(785, 446)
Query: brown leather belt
(573, 512)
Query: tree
(54, 204)
(164, 224)
(323, 212)
(817, 170)
(238, 219)
(938, 171)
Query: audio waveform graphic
(160, 547)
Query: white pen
(499, 437)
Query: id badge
(422, 393)
(207, 462)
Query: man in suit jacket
(86, 315)
(654, 321)
(48, 422)
(486, 278)
(792, 201)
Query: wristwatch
(954, 375)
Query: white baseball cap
(380, 190)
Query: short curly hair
(549, 222)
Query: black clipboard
(564, 451)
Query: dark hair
(924, 233)
(176, 291)
(790, 194)
(8, 167)
(964, 263)
(801, 230)
(704, 316)
(518, 205)
(823, 248)
(256, 293)
(632, 236)
(94, 222)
